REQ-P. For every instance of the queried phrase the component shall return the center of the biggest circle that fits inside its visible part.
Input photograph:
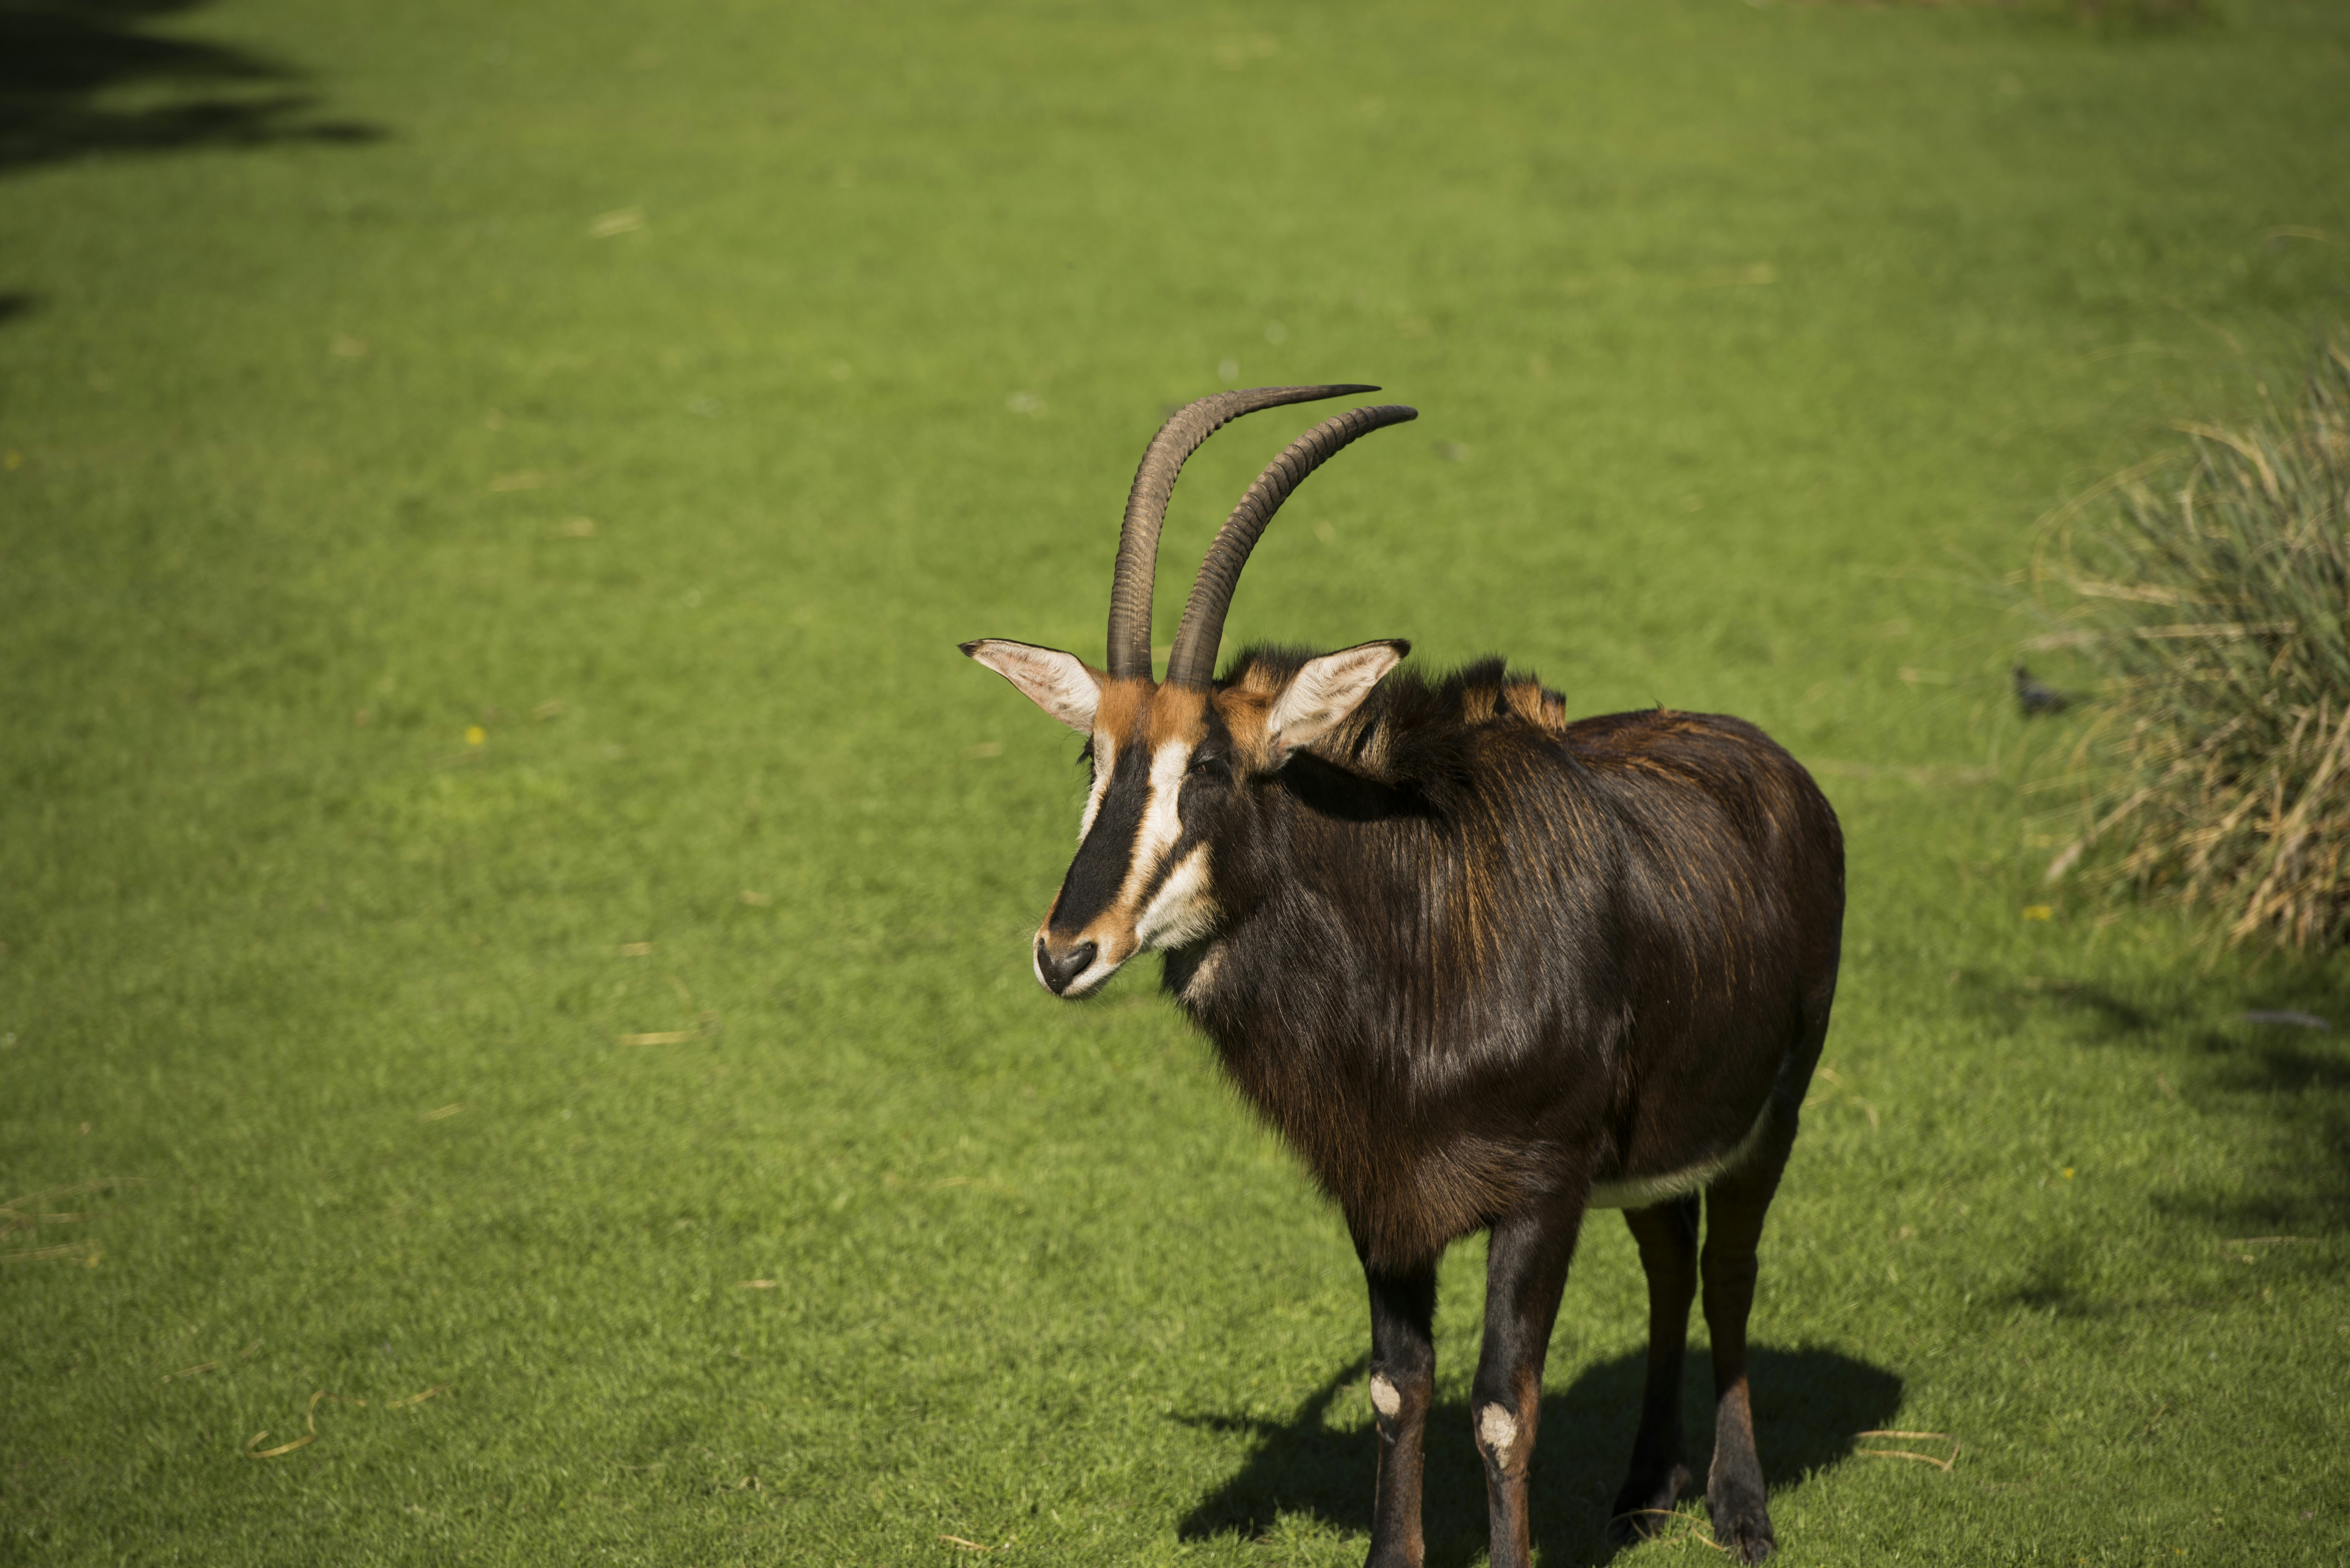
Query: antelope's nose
(1060, 969)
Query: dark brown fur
(1474, 961)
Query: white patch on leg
(1497, 1432)
(1386, 1398)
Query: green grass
(1758, 335)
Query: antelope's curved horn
(1193, 661)
(1146, 507)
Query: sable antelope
(1482, 967)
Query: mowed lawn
(513, 914)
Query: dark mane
(1414, 734)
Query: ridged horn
(1193, 661)
(1146, 507)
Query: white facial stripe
(1179, 911)
(1160, 824)
(1105, 759)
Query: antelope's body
(1482, 969)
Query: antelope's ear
(1060, 684)
(1323, 692)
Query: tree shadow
(58, 57)
(2300, 1088)
(2093, 1008)
(1809, 1404)
(2270, 1045)
(15, 304)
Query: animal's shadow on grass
(2226, 1059)
(1809, 1404)
(59, 59)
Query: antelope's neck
(1191, 971)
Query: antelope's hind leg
(1667, 1235)
(1403, 1385)
(1734, 1208)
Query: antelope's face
(1168, 763)
(1169, 760)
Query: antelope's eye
(1206, 763)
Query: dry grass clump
(2216, 598)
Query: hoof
(1741, 1525)
(1645, 1504)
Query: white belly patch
(1641, 1192)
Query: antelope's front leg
(1403, 1385)
(1524, 1271)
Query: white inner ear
(1321, 695)
(1057, 682)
